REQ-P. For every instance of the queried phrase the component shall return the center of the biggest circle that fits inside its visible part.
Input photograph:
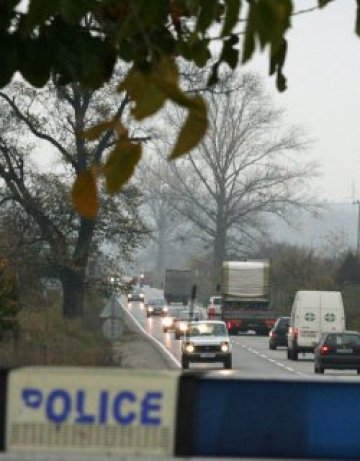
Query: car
(278, 333)
(156, 307)
(313, 313)
(186, 316)
(206, 341)
(171, 315)
(214, 307)
(338, 351)
(136, 296)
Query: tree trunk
(73, 285)
(219, 255)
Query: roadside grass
(44, 337)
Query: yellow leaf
(147, 96)
(121, 165)
(193, 129)
(84, 195)
(94, 132)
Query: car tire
(147, 315)
(295, 355)
(177, 336)
(358, 372)
(165, 330)
(184, 363)
(272, 347)
(288, 354)
(228, 363)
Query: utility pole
(357, 202)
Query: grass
(44, 337)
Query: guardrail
(107, 411)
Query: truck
(246, 296)
(177, 288)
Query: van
(214, 307)
(313, 313)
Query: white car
(214, 307)
(206, 341)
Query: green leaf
(249, 43)
(357, 24)
(232, 13)
(36, 60)
(39, 11)
(84, 195)
(229, 54)
(193, 129)
(121, 164)
(74, 10)
(323, 3)
(206, 15)
(8, 58)
(200, 53)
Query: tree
(58, 115)
(80, 42)
(247, 165)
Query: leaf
(206, 15)
(93, 133)
(121, 164)
(357, 24)
(230, 54)
(146, 95)
(39, 11)
(8, 58)
(84, 195)
(323, 3)
(249, 43)
(233, 8)
(72, 11)
(193, 129)
(35, 60)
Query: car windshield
(157, 302)
(217, 301)
(342, 339)
(207, 329)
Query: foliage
(81, 41)
(9, 298)
(349, 270)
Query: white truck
(246, 296)
(313, 313)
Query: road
(251, 354)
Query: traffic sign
(113, 328)
(112, 308)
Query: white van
(313, 313)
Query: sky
(323, 95)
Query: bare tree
(248, 164)
(58, 115)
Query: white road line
(151, 338)
(265, 357)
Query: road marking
(265, 357)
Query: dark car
(278, 333)
(136, 296)
(339, 351)
(156, 307)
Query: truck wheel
(184, 363)
(228, 363)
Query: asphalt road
(251, 354)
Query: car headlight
(183, 326)
(189, 348)
(129, 296)
(167, 322)
(165, 309)
(141, 296)
(225, 347)
(150, 309)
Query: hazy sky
(323, 95)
